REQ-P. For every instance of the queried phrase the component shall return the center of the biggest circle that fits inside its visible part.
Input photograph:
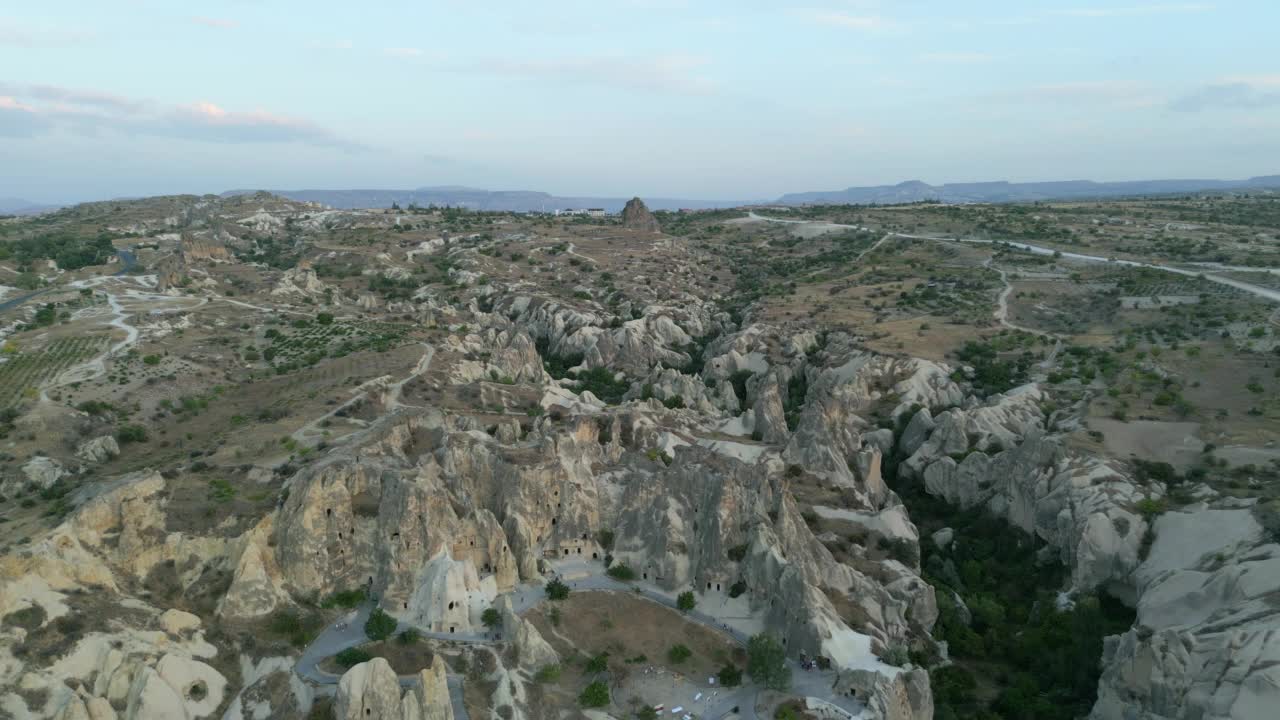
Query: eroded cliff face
(1204, 644)
(438, 512)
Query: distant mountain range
(906, 192)
(476, 199)
(996, 192)
(18, 206)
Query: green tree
(686, 601)
(352, 656)
(380, 625)
(622, 571)
(491, 618)
(131, 433)
(730, 676)
(557, 590)
(597, 664)
(595, 695)
(679, 653)
(767, 663)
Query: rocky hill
(318, 463)
(636, 216)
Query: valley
(265, 458)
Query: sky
(699, 99)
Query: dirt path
(312, 430)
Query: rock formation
(1204, 643)
(635, 216)
(371, 691)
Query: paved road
(1259, 291)
(348, 631)
(582, 575)
(127, 261)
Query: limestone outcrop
(1204, 641)
(98, 450)
(368, 691)
(1204, 644)
(371, 691)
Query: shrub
(738, 552)
(28, 618)
(594, 695)
(679, 653)
(557, 590)
(151, 359)
(352, 657)
(344, 599)
(686, 601)
(547, 674)
(622, 571)
(1151, 507)
(408, 637)
(737, 589)
(730, 676)
(380, 625)
(896, 655)
(597, 663)
(131, 433)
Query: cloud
(1135, 10)
(71, 97)
(847, 20)
(216, 23)
(209, 122)
(403, 52)
(1234, 93)
(16, 35)
(675, 73)
(17, 119)
(31, 109)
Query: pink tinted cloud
(10, 103)
(26, 109)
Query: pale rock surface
(43, 471)
(368, 691)
(177, 623)
(532, 650)
(429, 699)
(1205, 643)
(98, 450)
